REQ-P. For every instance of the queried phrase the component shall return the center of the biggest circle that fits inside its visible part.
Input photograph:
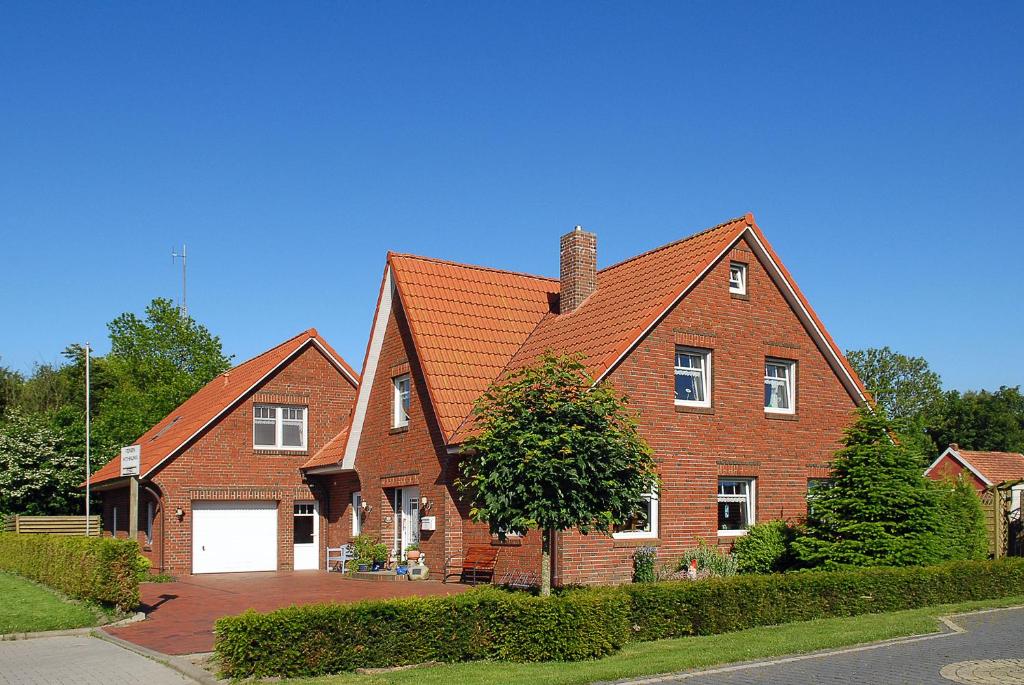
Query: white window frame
(279, 428)
(741, 283)
(357, 519)
(750, 499)
(644, 534)
(705, 356)
(397, 411)
(790, 367)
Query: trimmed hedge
(104, 570)
(478, 624)
(583, 623)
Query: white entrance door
(407, 518)
(307, 536)
(229, 536)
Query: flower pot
(363, 568)
(401, 570)
(378, 566)
(413, 555)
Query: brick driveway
(180, 615)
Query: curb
(70, 632)
(949, 629)
(179, 664)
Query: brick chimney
(578, 272)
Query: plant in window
(554, 452)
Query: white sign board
(130, 459)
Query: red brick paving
(180, 615)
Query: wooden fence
(54, 525)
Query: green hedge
(583, 623)
(98, 569)
(479, 624)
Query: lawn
(666, 656)
(26, 607)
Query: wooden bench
(476, 565)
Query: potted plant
(412, 553)
(367, 552)
(379, 555)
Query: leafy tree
(879, 509)
(554, 452)
(905, 387)
(981, 420)
(962, 531)
(10, 387)
(37, 476)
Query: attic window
(165, 428)
(279, 427)
(738, 278)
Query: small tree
(879, 509)
(962, 530)
(554, 452)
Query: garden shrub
(766, 548)
(643, 565)
(711, 561)
(368, 549)
(479, 624)
(962, 532)
(104, 570)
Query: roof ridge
(472, 266)
(676, 242)
(310, 333)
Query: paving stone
(79, 660)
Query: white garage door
(234, 536)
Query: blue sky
(290, 145)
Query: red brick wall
(948, 467)
(222, 465)
(735, 437)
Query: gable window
(738, 278)
(644, 523)
(693, 377)
(779, 388)
(400, 416)
(357, 513)
(278, 427)
(735, 505)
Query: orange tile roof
(181, 425)
(469, 324)
(998, 467)
(331, 453)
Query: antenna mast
(183, 305)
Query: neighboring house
(740, 391)
(982, 469)
(220, 481)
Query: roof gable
(164, 440)
(991, 468)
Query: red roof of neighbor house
(469, 323)
(178, 428)
(331, 453)
(997, 467)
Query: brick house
(983, 470)
(220, 482)
(741, 393)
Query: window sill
(277, 451)
(732, 533)
(692, 409)
(508, 542)
(780, 416)
(635, 542)
(398, 429)
(739, 296)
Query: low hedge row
(583, 623)
(480, 624)
(104, 570)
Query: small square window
(738, 278)
(693, 377)
(779, 386)
(735, 505)
(402, 398)
(644, 523)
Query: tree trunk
(545, 569)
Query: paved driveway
(79, 660)
(988, 637)
(180, 615)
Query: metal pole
(88, 469)
(184, 290)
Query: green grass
(666, 656)
(26, 607)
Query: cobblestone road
(79, 660)
(991, 636)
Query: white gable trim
(334, 360)
(231, 405)
(788, 292)
(380, 325)
(957, 456)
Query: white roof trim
(380, 325)
(956, 455)
(324, 470)
(334, 360)
(231, 405)
(789, 293)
